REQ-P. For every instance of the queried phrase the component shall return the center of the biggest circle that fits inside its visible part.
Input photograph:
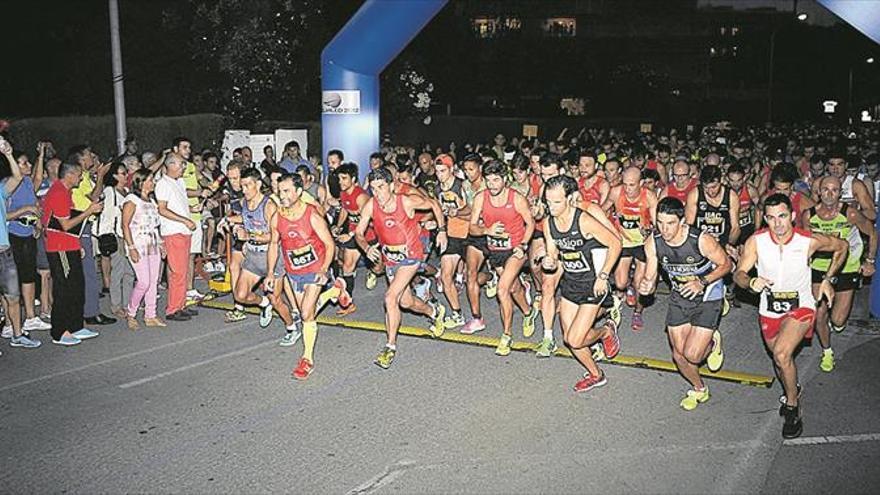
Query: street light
(800, 17)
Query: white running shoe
(35, 324)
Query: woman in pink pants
(143, 246)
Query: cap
(444, 159)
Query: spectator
(65, 255)
(86, 192)
(109, 232)
(183, 147)
(176, 227)
(292, 157)
(268, 162)
(143, 247)
(51, 176)
(23, 225)
(8, 273)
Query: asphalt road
(210, 407)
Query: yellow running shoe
(385, 358)
(503, 348)
(827, 362)
(437, 328)
(716, 357)
(371, 280)
(725, 306)
(614, 310)
(529, 323)
(694, 398)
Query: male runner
(834, 217)
(450, 193)
(682, 182)
(635, 209)
(502, 215)
(696, 264)
(582, 244)
(399, 247)
(787, 308)
(352, 198)
(592, 186)
(475, 250)
(300, 232)
(853, 190)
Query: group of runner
(545, 236)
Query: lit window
(734, 31)
(491, 27)
(560, 27)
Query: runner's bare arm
(863, 197)
(712, 249)
(651, 196)
(734, 217)
(649, 280)
(521, 205)
(606, 237)
(475, 228)
(272, 253)
(550, 259)
(746, 262)
(690, 207)
(320, 225)
(361, 230)
(604, 190)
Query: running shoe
(546, 348)
(793, 425)
(266, 315)
(694, 398)
(614, 311)
(7, 332)
(598, 352)
(503, 348)
(24, 340)
(346, 310)
(826, 364)
(437, 327)
(454, 320)
(422, 289)
(784, 402)
(630, 296)
(371, 280)
(290, 338)
(725, 306)
(85, 333)
(385, 358)
(716, 356)
(529, 323)
(234, 315)
(637, 323)
(194, 295)
(492, 286)
(31, 324)
(303, 369)
(67, 341)
(473, 326)
(611, 343)
(589, 382)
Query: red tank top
(591, 194)
(350, 204)
(302, 249)
(680, 194)
(398, 234)
(514, 226)
(420, 216)
(535, 185)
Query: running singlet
(350, 204)
(254, 221)
(590, 194)
(301, 248)
(746, 209)
(714, 219)
(398, 234)
(514, 227)
(577, 253)
(685, 263)
(680, 194)
(787, 267)
(838, 226)
(457, 228)
(846, 188)
(634, 218)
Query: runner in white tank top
(782, 254)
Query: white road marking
(117, 358)
(383, 479)
(864, 437)
(194, 365)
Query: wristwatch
(603, 276)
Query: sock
(827, 351)
(310, 335)
(391, 346)
(239, 307)
(265, 302)
(548, 333)
(349, 283)
(478, 316)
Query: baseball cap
(444, 159)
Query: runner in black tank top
(576, 254)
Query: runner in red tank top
(299, 233)
(502, 215)
(682, 183)
(593, 188)
(393, 215)
(352, 199)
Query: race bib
(498, 243)
(679, 281)
(302, 257)
(395, 254)
(745, 219)
(629, 223)
(712, 223)
(575, 262)
(782, 302)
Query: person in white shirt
(176, 228)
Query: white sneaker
(208, 267)
(7, 332)
(35, 324)
(194, 295)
